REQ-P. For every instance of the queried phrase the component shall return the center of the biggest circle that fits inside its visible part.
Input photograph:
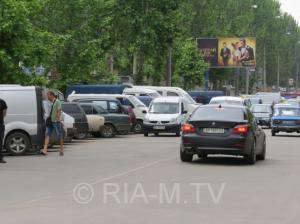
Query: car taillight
(188, 128)
(241, 129)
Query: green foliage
(190, 67)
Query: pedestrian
(53, 122)
(3, 109)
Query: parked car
(231, 100)
(81, 122)
(293, 102)
(269, 98)
(165, 115)
(174, 91)
(95, 89)
(263, 114)
(25, 126)
(138, 107)
(96, 123)
(114, 123)
(286, 118)
(137, 91)
(222, 129)
(204, 97)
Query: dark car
(113, 106)
(81, 124)
(286, 119)
(204, 97)
(263, 114)
(227, 130)
(114, 123)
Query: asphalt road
(142, 180)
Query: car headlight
(173, 120)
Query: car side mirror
(144, 112)
(184, 112)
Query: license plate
(213, 130)
(289, 122)
(159, 127)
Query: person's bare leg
(61, 147)
(45, 150)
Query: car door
(258, 132)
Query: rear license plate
(159, 127)
(289, 122)
(214, 130)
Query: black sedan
(222, 129)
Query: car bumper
(264, 121)
(81, 127)
(286, 128)
(161, 128)
(236, 145)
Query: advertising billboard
(229, 51)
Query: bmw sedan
(222, 129)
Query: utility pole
(265, 70)
(169, 68)
(297, 78)
(278, 72)
(247, 80)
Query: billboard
(229, 52)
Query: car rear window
(70, 108)
(216, 113)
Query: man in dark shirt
(3, 108)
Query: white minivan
(174, 91)
(137, 91)
(165, 115)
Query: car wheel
(273, 133)
(251, 159)
(138, 127)
(146, 134)
(184, 156)
(262, 156)
(17, 143)
(156, 134)
(108, 131)
(80, 136)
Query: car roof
(170, 99)
(230, 98)
(262, 104)
(138, 89)
(222, 106)
(286, 106)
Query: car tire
(108, 131)
(146, 134)
(263, 155)
(138, 127)
(251, 159)
(80, 136)
(184, 156)
(156, 134)
(17, 143)
(273, 133)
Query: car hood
(262, 115)
(286, 118)
(161, 117)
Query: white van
(24, 123)
(137, 91)
(138, 107)
(174, 91)
(165, 115)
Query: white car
(167, 91)
(137, 91)
(165, 115)
(231, 100)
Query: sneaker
(2, 161)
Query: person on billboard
(247, 52)
(236, 54)
(225, 54)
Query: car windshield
(164, 108)
(227, 102)
(290, 112)
(293, 103)
(136, 102)
(261, 109)
(189, 98)
(219, 114)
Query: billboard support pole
(206, 79)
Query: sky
(292, 7)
